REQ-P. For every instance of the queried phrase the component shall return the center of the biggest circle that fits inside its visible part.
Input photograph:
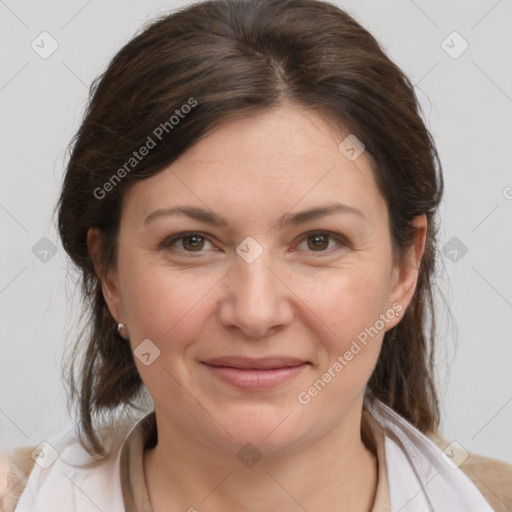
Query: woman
(251, 200)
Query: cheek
(350, 304)
(344, 301)
(163, 304)
(169, 308)
(350, 350)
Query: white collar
(420, 480)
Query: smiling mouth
(255, 374)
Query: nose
(257, 302)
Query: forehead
(276, 141)
(265, 162)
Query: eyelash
(168, 242)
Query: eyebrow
(289, 219)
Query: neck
(334, 472)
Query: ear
(109, 282)
(405, 276)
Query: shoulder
(72, 460)
(492, 477)
(21, 463)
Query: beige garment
(492, 477)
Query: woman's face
(263, 323)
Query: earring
(119, 327)
(397, 313)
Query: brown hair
(226, 58)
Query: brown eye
(321, 242)
(187, 243)
(192, 243)
(318, 242)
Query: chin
(269, 428)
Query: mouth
(255, 374)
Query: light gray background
(467, 103)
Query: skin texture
(294, 300)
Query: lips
(264, 363)
(255, 374)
